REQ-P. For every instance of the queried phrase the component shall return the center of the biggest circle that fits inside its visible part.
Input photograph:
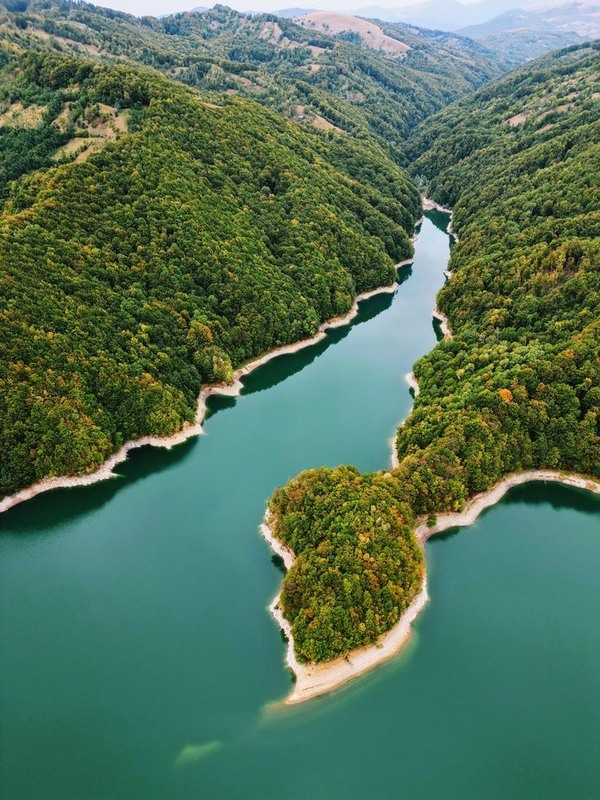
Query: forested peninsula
(516, 387)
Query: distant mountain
(290, 13)
(525, 33)
(195, 10)
(354, 29)
(447, 15)
(514, 35)
(580, 18)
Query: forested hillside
(518, 385)
(151, 240)
(314, 78)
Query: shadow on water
(441, 223)
(540, 493)
(555, 495)
(284, 366)
(55, 508)
(439, 219)
(404, 273)
(437, 328)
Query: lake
(138, 658)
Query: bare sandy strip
(430, 205)
(413, 383)
(484, 500)
(189, 430)
(394, 460)
(444, 323)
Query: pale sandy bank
(444, 324)
(484, 500)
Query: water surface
(137, 658)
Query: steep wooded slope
(307, 75)
(190, 237)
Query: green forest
(358, 564)
(200, 237)
(518, 385)
(157, 231)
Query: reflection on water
(284, 366)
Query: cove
(138, 660)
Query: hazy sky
(154, 7)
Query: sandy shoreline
(444, 323)
(430, 205)
(412, 383)
(105, 471)
(483, 500)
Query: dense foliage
(151, 240)
(358, 566)
(196, 240)
(518, 385)
(309, 76)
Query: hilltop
(151, 240)
(314, 78)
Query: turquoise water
(138, 660)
